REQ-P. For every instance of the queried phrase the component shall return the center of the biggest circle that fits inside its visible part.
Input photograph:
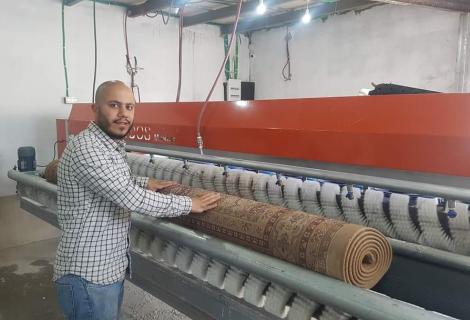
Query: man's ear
(94, 107)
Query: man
(96, 193)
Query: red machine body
(422, 133)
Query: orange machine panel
(423, 133)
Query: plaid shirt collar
(112, 144)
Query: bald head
(114, 108)
(112, 86)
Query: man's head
(114, 108)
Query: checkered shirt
(96, 192)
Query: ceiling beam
(247, 7)
(323, 10)
(154, 5)
(455, 5)
(106, 2)
(71, 2)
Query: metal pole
(406, 186)
(462, 66)
(33, 180)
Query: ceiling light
(306, 18)
(261, 8)
(242, 103)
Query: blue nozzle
(452, 214)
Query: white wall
(32, 82)
(408, 45)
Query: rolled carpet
(355, 254)
(50, 173)
(352, 253)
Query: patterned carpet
(352, 253)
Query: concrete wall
(408, 45)
(32, 83)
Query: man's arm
(102, 176)
(140, 181)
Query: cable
(199, 139)
(235, 59)
(288, 76)
(165, 22)
(151, 14)
(131, 70)
(55, 152)
(180, 53)
(64, 60)
(96, 50)
(159, 13)
(227, 64)
(128, 62)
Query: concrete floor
(27, 291)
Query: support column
(463, 54)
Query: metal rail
(405, 186)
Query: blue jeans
(82, 300)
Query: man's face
(114, 110)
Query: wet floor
(27, 291)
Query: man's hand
(156, 185)
(205, 202)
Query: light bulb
(261, 8)
(242, 103)
(306, 18)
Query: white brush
(460, 229)
(275, 194)
(351, 209)
(292, 189)
(400, 215)
(302, 308)
(232, 183)
(375, 214)
(310, 198)
(254, 291)
(276, 300)
(433, 234)
(234, 280)
(260, 185)
(328, 198)
(245, 184)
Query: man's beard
(104, 125)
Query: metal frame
(324, 10)
(399, 185)
(413, 134)
(365, 304)
(177, 289)
(455, 5)
(185, 293)
(409, 275)
(230, 11)
(154, 5)
(71, 2)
